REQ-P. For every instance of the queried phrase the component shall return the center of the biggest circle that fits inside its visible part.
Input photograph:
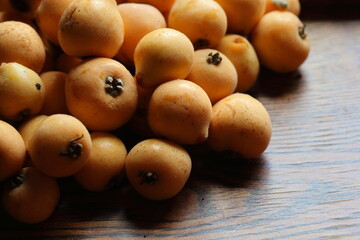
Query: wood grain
(305, 186)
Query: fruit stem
(74, 148)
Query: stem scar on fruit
(214, 58)
(17, 180)
(114, 86)
(148, 177)
(74, 149)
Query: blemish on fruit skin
(38, 86)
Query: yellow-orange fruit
(242, 54)
(280, 41)
(27, 127)
(48, 15)
(26, 130)
(60, 155)
(20, 43)
(30, 196)
(12, 150)
(102, 93)
(242, 15)
(151, 19)
(164, 6)
(138, 122)
(240, 124)
(180, 110)
(106, 163)
(64, 63)
(162, 55)
(204, 22)
(214, 72)
(283, 5)
(55, 102)
(22, 92)
(91, 28)
(158, 169)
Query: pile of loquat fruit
(175, 72)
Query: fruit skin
(180, 110)
(240, 124)
(151, 19)
(26, 130)
(88, 100)
(60, 146)
(162, 55)
(169, 166)
(20, 43)
(242, 15)
(91, 28)
(280, 41)
(48, 15)
(164, 6)
(218, 79)
(106, 164)
(31, 196)
(22, 92)
(290, 5)
(242, 54)
(12, 150)
(204, 22)
(55, 102)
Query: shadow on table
(273, 84)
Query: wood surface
(305, 186)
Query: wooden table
(305, 186)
